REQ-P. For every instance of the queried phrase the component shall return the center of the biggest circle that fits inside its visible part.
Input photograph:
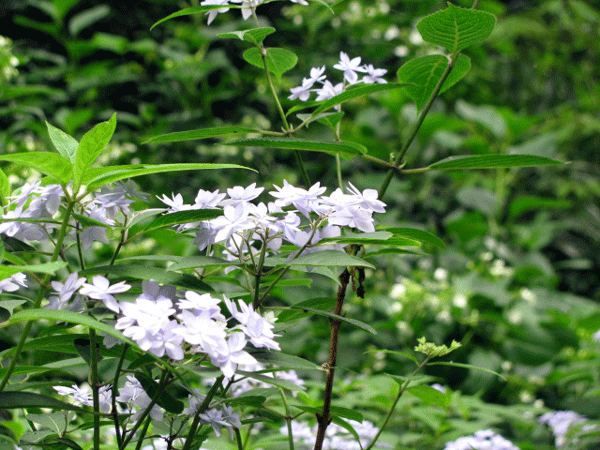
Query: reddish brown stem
(323, 418)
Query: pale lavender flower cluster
(350, 67)
(247, 6)
(336, 436)
(41, 203)
(481, 440)
(136, 401)
(563, 423)
(34, 201)
(244, 222)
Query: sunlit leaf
(202, 133)
(279, 60)
(64, 144)
(456, 28)
(51, 164)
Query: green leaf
(69, 443)
(393, 352)
(164, 399)
(492, 162)
(192, 262)
(348, 147)
(54, 421)
(279, 60)
(97, 177)
(430, 395)
(356, 323)
(51, 164)
(423, 74)
(254, 36)
(342, 423)
(202, 133)
(284, 384)
(283, 361)
(66, 316)
(328, 119)
(359, 238)
(47, 268)
(157, 274)
(190, 11)
(10, 400)
(358, 90)
(456, 28)
(64, 144)
(91, 145)
(465, 366)
(4, 189)
(180, 217)
(329, 258)
(415, 234)
(84, 19)
(4, 314)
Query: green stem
(143, 433)
(400, 393)
(115, 385)
(338, 166)
(238, 440)
(258, 272)
(302, 169)
(194, 426)
(95, 382)
(417, 125)
(146, 413)
(288, 419)
(42, 292)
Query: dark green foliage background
(510, 235)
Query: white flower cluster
(336, 436)
(481, 440)
(41, 203)
(350, 67)
(133, 395)
(33, 202)
(243, 222)
(564, 423)
(160, 321)
(248, 6)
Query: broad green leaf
(97, 177)
(358, 90)
(356, 323)
(51, 164)
(66, 316)
(342, 423)
(47, 268)
(4, 189)
(284, 384)
(456, 28)
(164, 399)
(91, 145)
(84, 19)
(202, 133)
(492, 162)
(4, 314)
(10, 400)
(157, 274)
(69, 443)
(254, 36)
(329, 119)
(279, 60)
(417, 235)
(329, 258)
(283, 361)
(192, 262)
(180, 217)
(348, 147)
(465, 366)
(54, 421)
(423, 74)
(429, 395)
(359, 238)
(335, 411)
(10, 305)
(65, 144)
(190, 11)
